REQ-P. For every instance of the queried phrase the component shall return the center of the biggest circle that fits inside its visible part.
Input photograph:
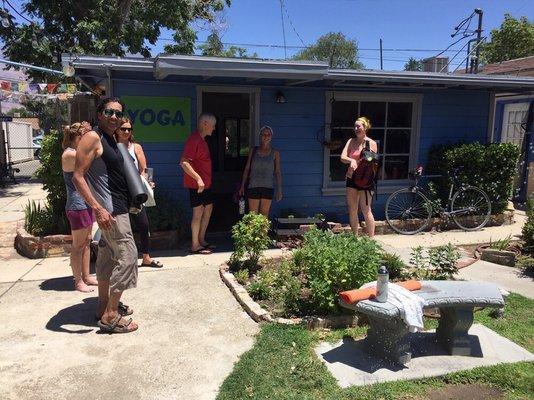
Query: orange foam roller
(355, 295)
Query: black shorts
(260, 193)
(350, 183)
(200, 199)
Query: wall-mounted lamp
(280, 98)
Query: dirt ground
(464, 392)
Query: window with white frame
(394, 127)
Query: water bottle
(242, 206)
(382, 284)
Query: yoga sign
(159, 119)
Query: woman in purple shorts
(80, 215)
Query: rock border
(259, 314)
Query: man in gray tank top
(99, 177)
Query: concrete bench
(388, 334)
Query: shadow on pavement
(78, 314)
(63, 284)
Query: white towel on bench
(409, 304)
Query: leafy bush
(51, 174)
(491, 167)
(501, 244)
(440, 263)
(251, 238)
(394, 265)
(167, 215)
(38, 221)
(528, 228)
(334, 263)
(286, 289)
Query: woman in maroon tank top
(355, 196)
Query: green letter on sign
(159, 119)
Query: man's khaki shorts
(117, 255)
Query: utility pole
(381, 58)
(479, 37)
(283, 27)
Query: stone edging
(42, 246)
(258, 314)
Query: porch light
(280, 98)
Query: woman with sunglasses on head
(261, 170)
(124, 134)
(79, 214)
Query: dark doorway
(229, 146)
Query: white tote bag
(149, 191)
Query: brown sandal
(115, 326)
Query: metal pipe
(51, 71)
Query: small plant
(259, 290)
(334, 263)
(526, 264)
(286, 289)
(502, 244)
(241, 276)
(251, 238)
(439, 264)
(394, 265)
(528, 229)
(435, 201)
(38, 220)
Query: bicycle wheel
(407, 211)
(470, 208)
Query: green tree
(514, 39)
(214, 47)
(100, 27)
(334, 48)
(21, 111)
(413, 65)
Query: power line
(291, 23)
(14, 9)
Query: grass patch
(282, 364)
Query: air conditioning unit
(436, 64)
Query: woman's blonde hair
(69, 134)
(365, 122)
(125, 120)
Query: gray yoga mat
(133, 179)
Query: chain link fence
(22, 151)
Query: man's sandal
(115, 326)
(124, 310)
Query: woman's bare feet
(80, 286)
(90, 280)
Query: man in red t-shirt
(196, 163)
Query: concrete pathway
(191, 333)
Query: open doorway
(229, 146)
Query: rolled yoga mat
(133, 179)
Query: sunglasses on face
(109, 112)
(126, 129)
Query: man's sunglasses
(109, 112)
(126, 129)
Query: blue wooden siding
(446, 116)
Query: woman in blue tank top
(79, 214)
(261, 171)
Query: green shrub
(51, 174)
(167, 215)
(501, 244)
(528, 228)
(286, 289)
(251, 238)
(241, 276)
(440, 263)
(259, 290)
(491, 167)
(334, 263)
(394, 265)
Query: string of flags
(20, 91)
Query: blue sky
(402, 24)
(406, 24)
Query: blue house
(311, 109)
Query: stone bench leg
(388, 338)
(452, 331)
